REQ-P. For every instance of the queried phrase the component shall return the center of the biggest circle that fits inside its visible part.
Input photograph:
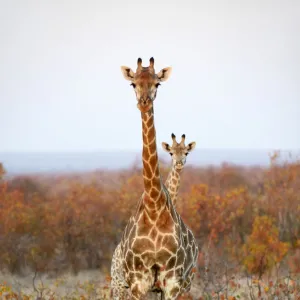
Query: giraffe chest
(149, 242)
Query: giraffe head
(179, 151)
(145, 82)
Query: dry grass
(84, 285)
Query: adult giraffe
(179, 153)
(157, 252)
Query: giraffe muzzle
(145, 105)
(179, 165)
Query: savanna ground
(58, 232)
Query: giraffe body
(157, 251)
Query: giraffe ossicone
(157, 252)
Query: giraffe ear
(191, 146)
(164, 74)
(127, 73)
(165, 146)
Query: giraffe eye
(187, 154)
(133, 84)
(171, 153)
(157, 85)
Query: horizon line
(136, 150)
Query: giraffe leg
(119, 290)
(120, 293)
(155, 296)
(138, 292)
(171, 291)
(118, 283)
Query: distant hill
(17, 163)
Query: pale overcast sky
(235, 80)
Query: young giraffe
(179, 152)
(157, 250)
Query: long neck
(173, 183)
(151, 174)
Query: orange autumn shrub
(281, 198)
(213, 216)
(263, 248)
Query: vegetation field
(58, 232)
